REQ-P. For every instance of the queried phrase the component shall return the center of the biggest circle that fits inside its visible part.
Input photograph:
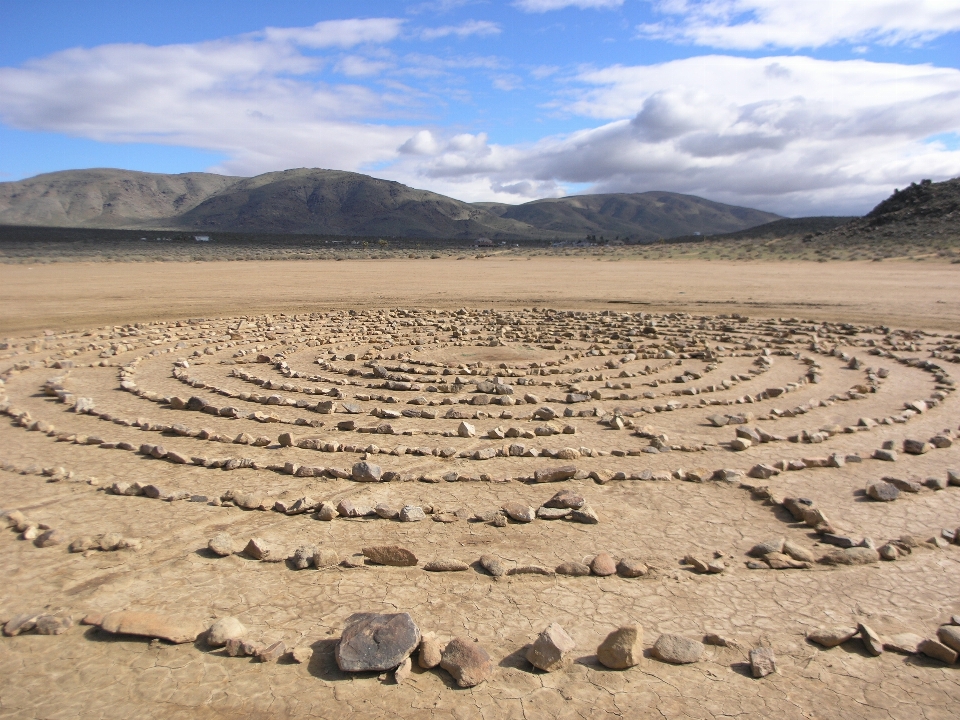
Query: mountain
(333, 202)
(104, 198)
(643, 216)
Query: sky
(819, 107)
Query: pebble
(412, 513)
(631, 568)
(446, 565)
(871, 640)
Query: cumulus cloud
(790, 134)
(542, 6)
(483, 28)
(757, 24)
(253, 98)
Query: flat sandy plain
(89, 673)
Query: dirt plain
(623, 332)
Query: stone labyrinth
(524, 499)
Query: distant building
(484, 242)
(202, 238)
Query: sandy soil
(74, 295)
(56, 466)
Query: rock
(446, 565)
(366, 472)
(346, 508)
(375, 642)
(325, 557)
(519, 512)
(766, 547)
(586, 515)
(390, 555)
(412, 513)
(559, 474)
(906, 643)
(949, 635)
(260, 549)
(53, 624)
(82, 544)
(887, 455)
(431, 651)
(677, 649)
(49, 538)
(530, 570)
(573, 569)
(222, 545)
(387, 512)
(403, 672)
(226, 628)
(797, 552)
(302, 654)
(889, 551)
(763, 472)
(851, 556)
(466, 430)
(871, 640)
(603, 565)
(493, 565)
(327, 511)
(272, 652)
(781, 561)
(466, 661)
(565, 499)
(916, 447)
(883, 491)
(153, 625)
(551, 649)
(25, 622)
(248, 501)
(831, 637)
(545, 513)
(631, 568)
(303, 557)
(938, 651)
(621, 649)
(762, 662)
(110, 541)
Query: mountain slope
(332, 202)
(925, 210)
(342, 203)
(644, 216)
(104, 198)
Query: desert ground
(754, 467)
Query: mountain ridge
(335, 202)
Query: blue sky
(801, 108)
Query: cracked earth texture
(626, 364)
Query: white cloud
(757, 24)
(338, 33)
(541, 6)
(483, 28)
(251, 98)
(790, 134)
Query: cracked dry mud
(79, 407)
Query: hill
(332, 202)
(105, 198)
(924, 210)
